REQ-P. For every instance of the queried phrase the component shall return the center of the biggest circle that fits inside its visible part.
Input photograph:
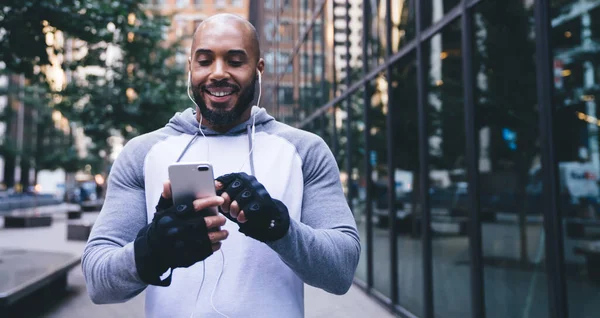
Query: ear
(260, 66)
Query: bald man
(283, 219)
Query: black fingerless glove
(267, 219)
(177, 237)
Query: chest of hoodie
(274, 160)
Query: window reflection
(403, 23)
(439, 8)
(355, 178)
(447, 174)
(576, 65)
(509, 161)
(377, 45)
(406, 175)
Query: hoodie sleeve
(323, 249)
(108, 260)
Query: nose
(219, 71)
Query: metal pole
(367, 136)
(395, 294)
(348, 101)
(428, 310)
(474, 230)
(557, 295)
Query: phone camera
(202, 168)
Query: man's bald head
(234, 21)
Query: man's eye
(204, 62)
(235, 63)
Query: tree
(136, 85)
(22, 22)
(137, 91)
(25, 50)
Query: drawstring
(194, 139)
(250, 131)
(188, 146)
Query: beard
(219, 117)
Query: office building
(466, 133)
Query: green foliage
(53, 148)
(97, 101)
(23, 44)
(138, 88)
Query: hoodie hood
(186, 122)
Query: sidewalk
(77, 304)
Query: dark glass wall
(575, 35)
(466, 133)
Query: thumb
(167, 190)
(165, 200)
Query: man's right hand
(178, 236)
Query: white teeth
(220, 94)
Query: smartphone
(191, 181)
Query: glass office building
(466, 134)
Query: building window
(317, 33)
(285, 31)
(304, 4)
(305, 63)
(220, 4)
(268, 30)
(182, 3)
(318, 65)
(198, 3)
(286, 95)
(282, 63)
(237, 3)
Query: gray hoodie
(247, 278)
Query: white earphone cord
(208, 156)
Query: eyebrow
(230, 52)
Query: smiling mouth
(220, 94)
(220, 91)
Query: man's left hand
(248, 203)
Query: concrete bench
(38, 216)
(93, 205)
(23, 202)
(79, 230)
(591, 252)
(25, 275)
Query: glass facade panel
(378, 159)
(402, 15)
(377, 46)
(509, 161)
(403, 87)
(576, 43)
(439, 8)
(447, 174)
(351, 158)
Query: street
(76, 303)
